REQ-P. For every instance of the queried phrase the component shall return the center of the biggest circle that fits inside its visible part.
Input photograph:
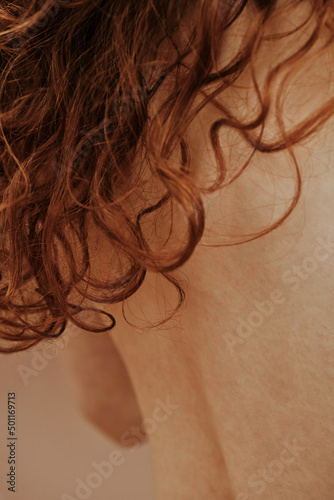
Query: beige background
(55, 444)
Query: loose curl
(77, 81)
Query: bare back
(237, 390)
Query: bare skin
(246, 369)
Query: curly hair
(83, 156)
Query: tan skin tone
(94, 369)
(253, 411)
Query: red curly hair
(76, 129)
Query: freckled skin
(245, 400)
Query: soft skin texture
(99, 381)
(248, 362)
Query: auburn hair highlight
(77, 81)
